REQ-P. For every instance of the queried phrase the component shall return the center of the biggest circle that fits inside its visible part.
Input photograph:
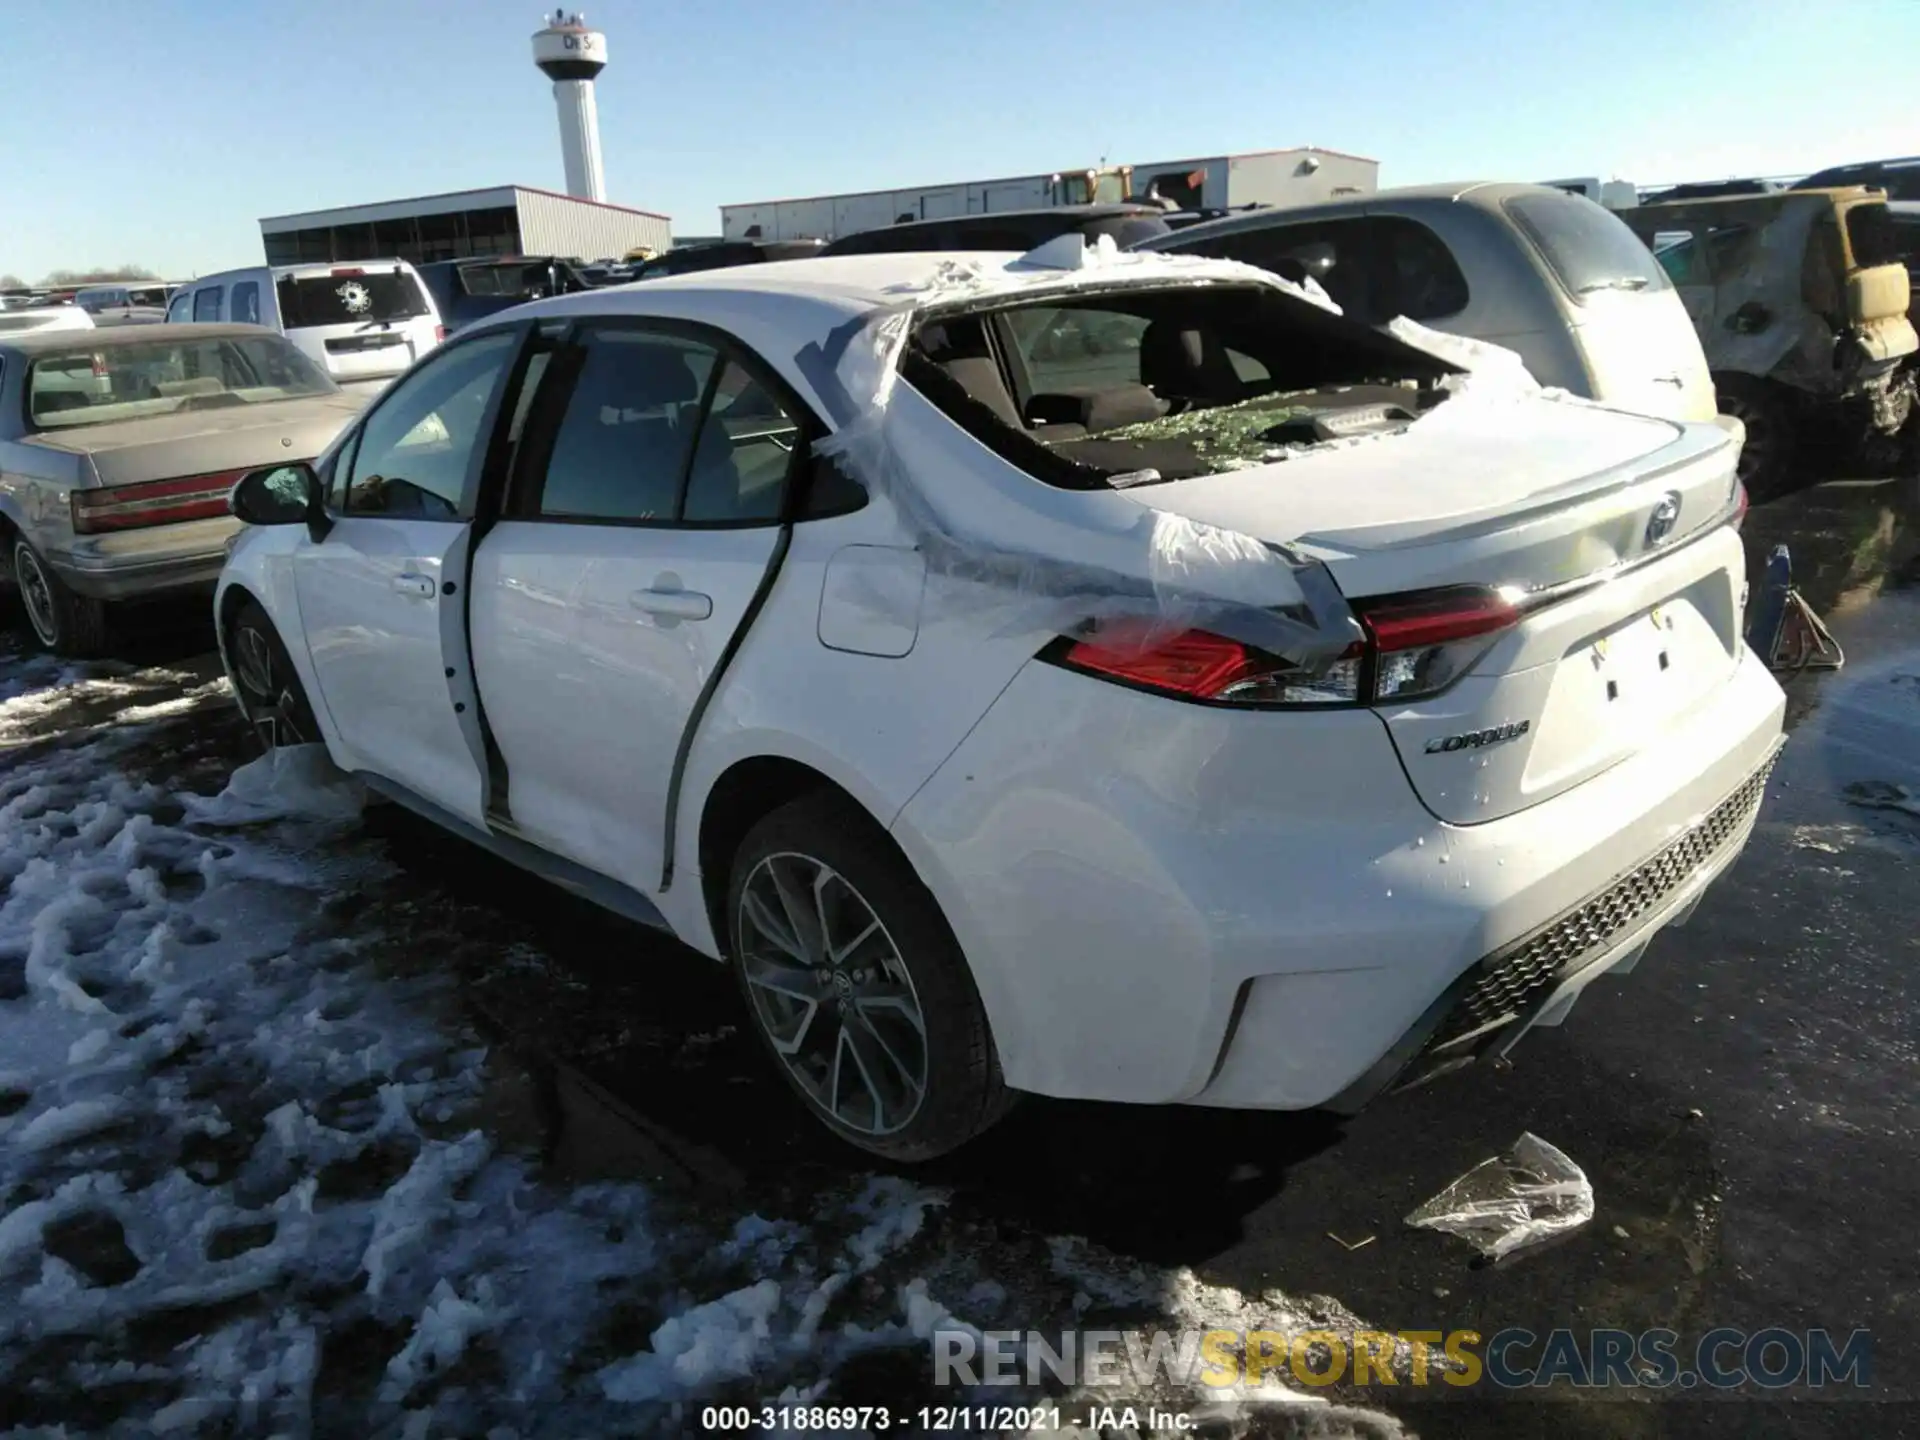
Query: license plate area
(359, 344)
(1613, 690)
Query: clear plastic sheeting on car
(1115, 559)
(1530, 1194)
(1490, 369)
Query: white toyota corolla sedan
(1106, 676)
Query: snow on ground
(248, 1183)
(242, 1183)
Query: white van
(362, 321)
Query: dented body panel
(1793, 288)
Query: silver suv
(1550, 275)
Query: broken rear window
(1588, 247)
(1141, 383)
(349, 297)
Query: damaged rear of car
(1391, 700)
(1802, 302)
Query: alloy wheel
(271, 704)
(36, 595)
(832, 993)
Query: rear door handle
(420, 587)
(673, 604)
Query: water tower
(571, 55)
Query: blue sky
(161, 130)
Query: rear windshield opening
(1175, 381)
(1588, 247)
(372, 298)
(98, 385)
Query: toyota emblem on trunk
(1665, 516)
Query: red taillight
(439, 333)
(1740, 504)
(1440, 617)
(1417, 645)
(157, 502)
(1422, 643)
(1192, 663)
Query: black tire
(58, 618)
(962, 1093)
(1773, 434)
(265, 682)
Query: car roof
(785, 308)
(1485, 194)
(839, 286)
(28, 342)
(1777, 200)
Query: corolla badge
(1665, 516)
(1478, 739)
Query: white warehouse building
(1300, 176)
(1305, 175)
(503, 220)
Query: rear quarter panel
(876, 725)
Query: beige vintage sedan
(117, 452)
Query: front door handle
(420, 587)
(673, 604)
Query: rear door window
(244, 303)
(349, 297)
(1288, 250)
(1587, 247)
(1069, 350)
(206, 303)
(745, 453)
(1420, 278)
(623, 443)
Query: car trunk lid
(1585, 516)
(160, 447)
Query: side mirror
(281, 495)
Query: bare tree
(99, 276)
(12, 282)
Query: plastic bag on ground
(1520, 1198)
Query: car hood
(198, 442)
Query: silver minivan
(1553, 276)
(361, 321)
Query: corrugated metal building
(1304, 175)
(504, 220)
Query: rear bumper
(1536, 981)
(1165, 903)
(147, 564)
